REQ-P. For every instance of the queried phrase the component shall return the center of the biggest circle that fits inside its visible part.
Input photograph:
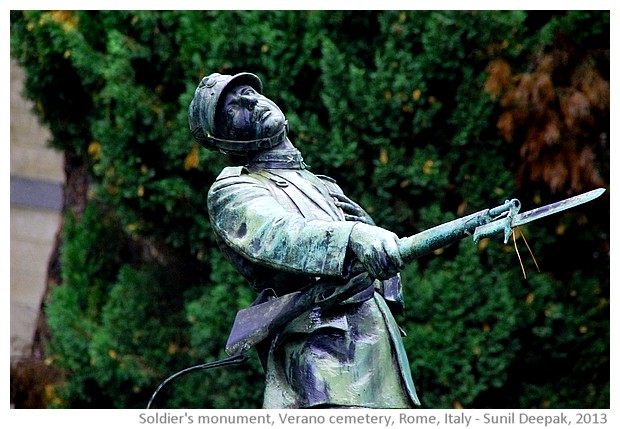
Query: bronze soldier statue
(288, 230)
(327, 277)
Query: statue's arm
(248, 218)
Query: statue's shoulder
(231, 172)
(326, 178)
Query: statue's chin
(270, 126)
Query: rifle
(255, 323)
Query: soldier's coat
(282, 230)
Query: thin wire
(236, 359)
(528, 248)
(514, 240)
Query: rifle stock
(255, 323)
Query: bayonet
(512, 218)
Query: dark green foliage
(117, 322)
(398, 106)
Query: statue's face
(248, 115)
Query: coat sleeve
(248, 218)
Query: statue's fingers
(349, 208)
(394, 261)
(343, 198)
(348, 200)
(354, 218)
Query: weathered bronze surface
(330, 339)
(326, 276)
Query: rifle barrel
(429, 240)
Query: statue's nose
(250, 101)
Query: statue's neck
(282, 156)
(286, 144)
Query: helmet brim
(245, 78)
(239, 79)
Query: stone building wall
(37, 177)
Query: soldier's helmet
(203, 109)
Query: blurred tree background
(421, 116)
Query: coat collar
(290, 159)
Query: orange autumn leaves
(558, 113)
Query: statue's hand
(352, 210)
(377, 250)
